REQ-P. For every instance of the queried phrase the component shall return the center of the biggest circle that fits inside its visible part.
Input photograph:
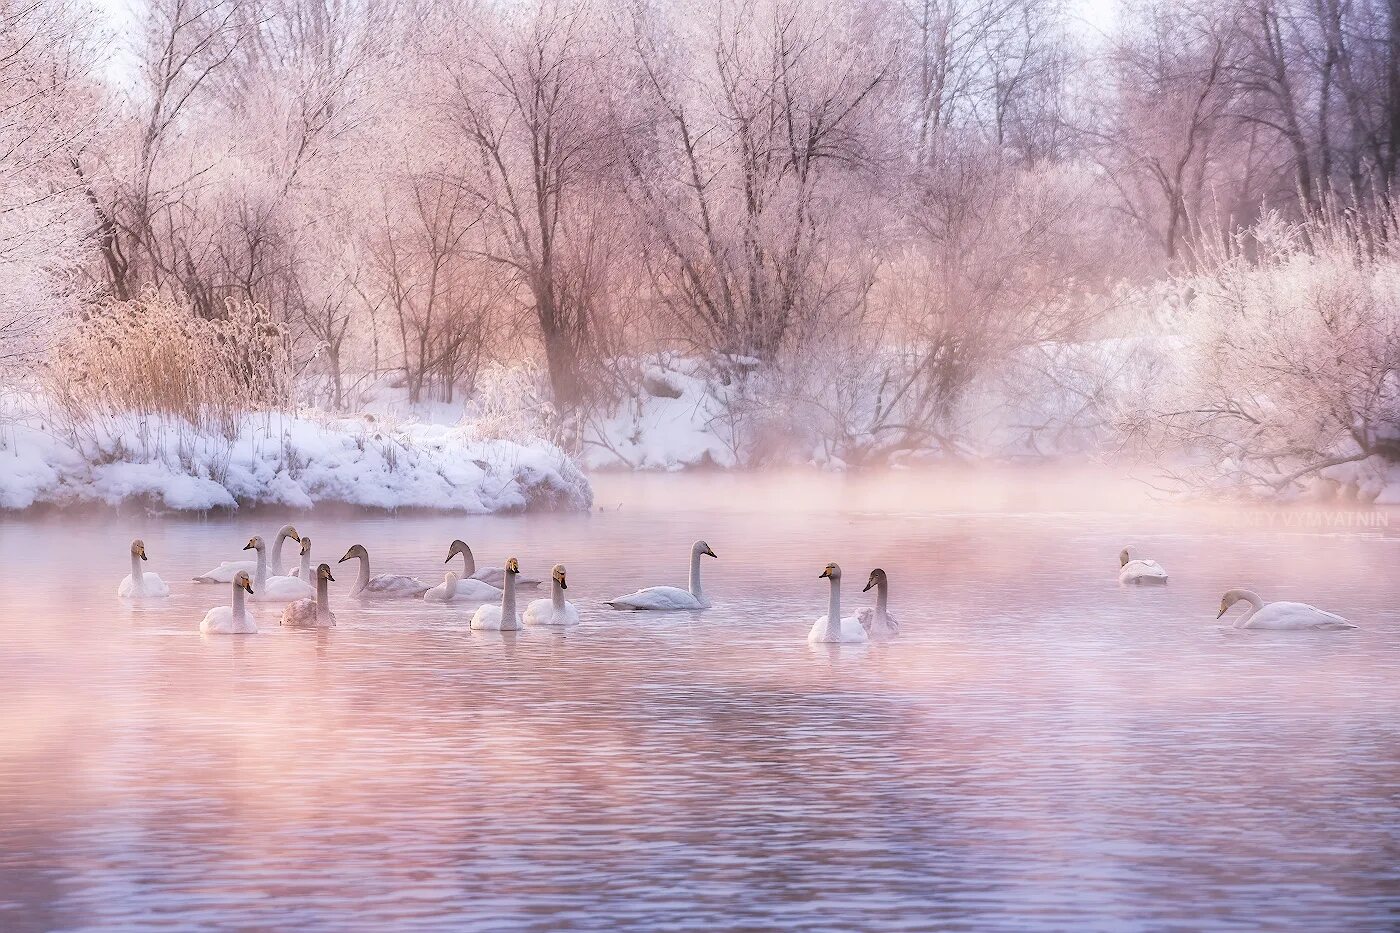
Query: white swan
(878, 622)
(384, 585)
(138, 584)
(556, 610)
(232, 620)
(274, 589)
(225, 572)
(502, 618)
(1139, 570)
(493, 577)
(313, 613)
(304, 571)
(831, 628)
(1279, 616)
(671, 597)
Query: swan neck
(323, 597)
(882, 598)
(136, 572)
(508, 601)
(468, 564)
(306, 566)
(695, 589)
(276, 554)
(260, 578)
(833, 610)
(238, 606)
(451, 587)
(362, 580)
(558, 595)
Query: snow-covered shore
(293, 462)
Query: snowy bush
(1291, 362)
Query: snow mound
(290, 461)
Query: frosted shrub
(1293, 358)
(152, 362)
(510, 403)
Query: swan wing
(488, 619)
(1143, 571)
(1287, 616)
(395, 585)
(542, 612)
(657, 597)
(301, 612)
(225, 572)
(221, 621)
(283, 589)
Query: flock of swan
(493, 590)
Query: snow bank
(290, 461)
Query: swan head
(458, 547)
(559, 577)
(243, 582)
(306, 546)
(1234, 596)
(287, 531)
(877, 576)
(700, 547)
(356, 550)
(255, 543)
(512, 566)
(138, 549)
(450, 577)
(832, 572)
(1123, 558)
(323, 572)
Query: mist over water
(1040, 749)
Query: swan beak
(249, 546)
(711, 552)
(329, 576)
(824, 574)
(1223, 610)
(248, 586)
(867, 586)
(294, 536)
(347, 556)
(142, 552)
(449, 558)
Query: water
(1041, 749)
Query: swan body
(304, 571)
(493, 577)
(234, 619)
(1139, 571)
(671, 597)
(455, 588)
(500, 617)
(226, 571)
(1281, 616)
(877, 622)
(138, 584)
(556, 610)
(313, 613)
(384, 585)
(847, 631)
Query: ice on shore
(291, 461)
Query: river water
(1040, 749)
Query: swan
(491, 576)
(471, 585)
(138, 583)
(313, 613)
(831, 628)
(232, 620)
(274, 589)
(304, 571)
(1139, 570)
(384, 585)
(502, 618)
(556, 610)
(878, 622)
(226, 571)
(671, 597)
(1279, 616)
